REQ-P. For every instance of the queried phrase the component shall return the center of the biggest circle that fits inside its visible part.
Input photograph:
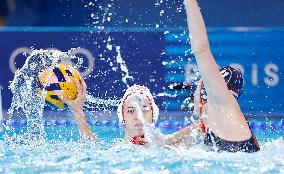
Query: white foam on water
(58, 156)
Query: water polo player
(127, 112)
(222, 121)
(234, 81)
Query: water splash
(152, 134)
(102, 14)
(95, 103)
(26, 99)
(123, 67)
(118, 64)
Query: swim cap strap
(138, 140)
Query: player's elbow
(200, 47)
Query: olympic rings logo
(82, 51)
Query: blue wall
(146, 13)
(158, 58)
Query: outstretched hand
(76, 106)
(78, 103)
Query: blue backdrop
(147, 13)
(157, 58)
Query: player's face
(132, 122)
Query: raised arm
(76, 107)
(214, 84)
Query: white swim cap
(137, 89)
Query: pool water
(63, 152)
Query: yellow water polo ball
(62, 78)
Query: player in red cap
(127, 112)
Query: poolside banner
(116, 58)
